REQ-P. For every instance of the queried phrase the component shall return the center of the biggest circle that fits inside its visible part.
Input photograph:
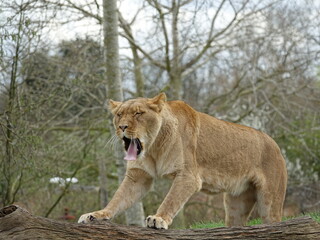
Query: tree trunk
(111, 50)
(134, 215)
(18, 223)
(137, 61)
(175, 73)
(103, 183)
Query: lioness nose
(123, 127)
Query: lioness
(199, 152)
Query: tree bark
(18, 223)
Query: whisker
(112, 141)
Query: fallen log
(18, 223)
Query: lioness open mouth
(133, 148)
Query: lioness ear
(113, 105)
(157, 102)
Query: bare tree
(10, 188)
(18, 34)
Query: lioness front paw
(156, 222)
(90, 217)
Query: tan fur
(198, 152)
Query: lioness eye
(119, 114)
(138, 113)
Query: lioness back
(229, 156)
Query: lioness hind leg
(239, 208)
(270, 205)
(278, 201)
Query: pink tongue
(132, 151)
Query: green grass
(207, 225)
(221, 224)
(315, 216)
